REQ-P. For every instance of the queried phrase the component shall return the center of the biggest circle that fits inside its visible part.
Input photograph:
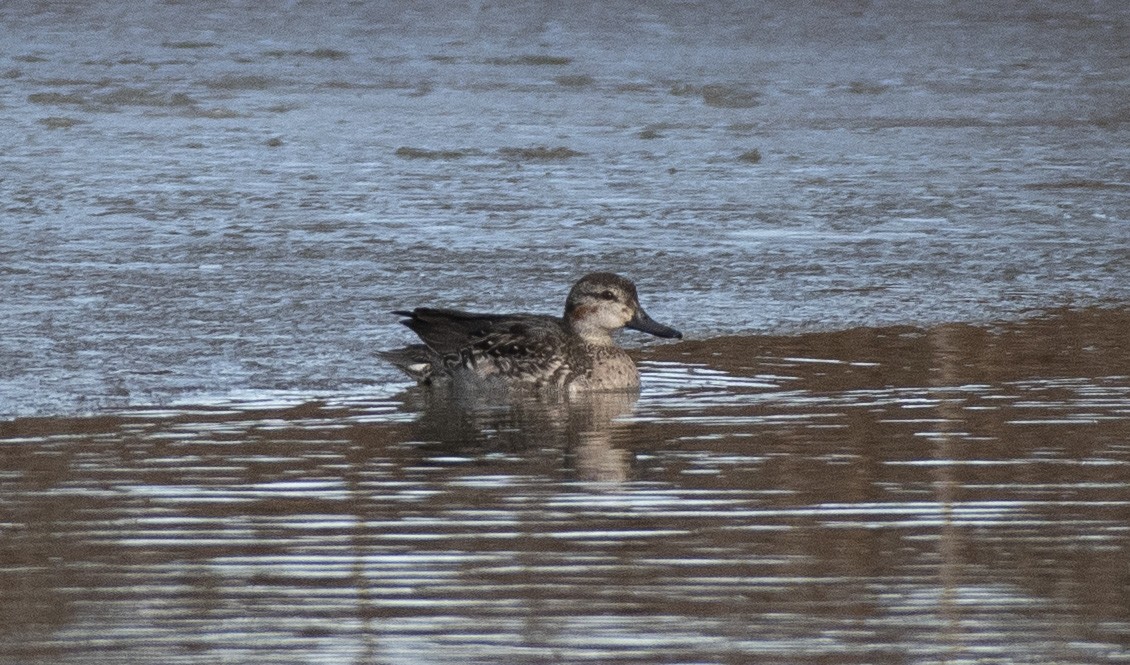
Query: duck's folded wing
(451, 331)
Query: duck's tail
(417, 361)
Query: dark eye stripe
(608, 295)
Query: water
(950, 495)
(201, 199)
(895, 235)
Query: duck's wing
(519, 349)
(454, 332)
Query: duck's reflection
(582, 427)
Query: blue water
(207, 198)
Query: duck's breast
(610, 368)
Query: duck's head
(602, 302)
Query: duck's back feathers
(515, 347)
(447, 331)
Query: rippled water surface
(895, 233)
(951, 495)
(201, 198)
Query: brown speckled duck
(572, 354)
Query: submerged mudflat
(952, 494)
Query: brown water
(958, 494)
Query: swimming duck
(573, 354)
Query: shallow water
(896, 235)
(946, 495)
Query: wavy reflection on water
(895, 495)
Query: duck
(574, 353)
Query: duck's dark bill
(644, 323)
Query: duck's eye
(608, 295)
